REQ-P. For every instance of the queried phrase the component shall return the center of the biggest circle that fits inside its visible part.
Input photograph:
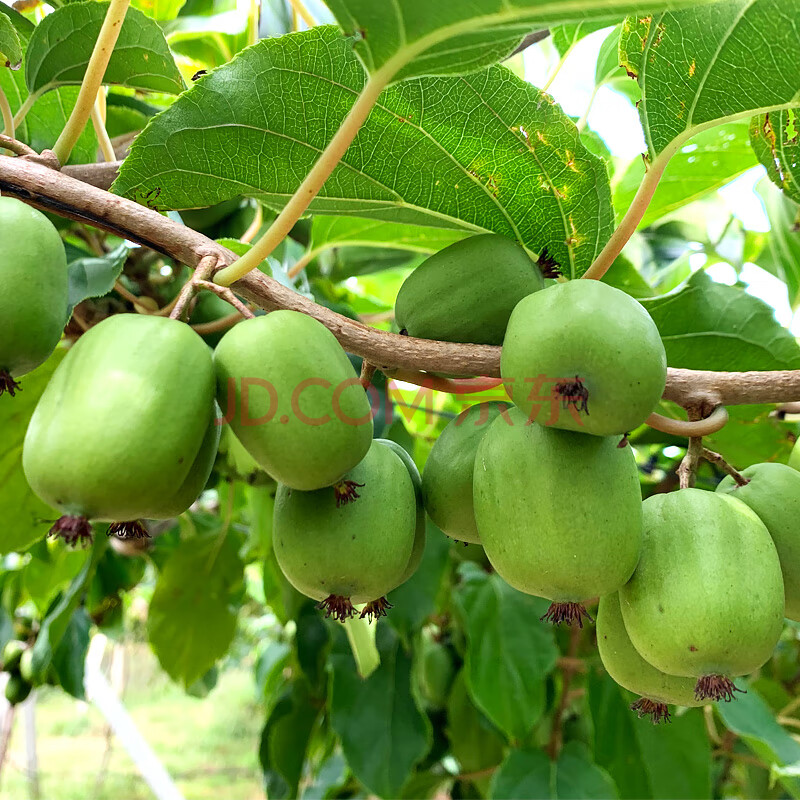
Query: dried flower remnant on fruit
(345, 492)
(8, 384)
(132, 529)
(548, 265)
(375, 609)
(623, 442)
(716, 687)
(336, 606)
(658, 712)
(571, 613)
(73, 530)
(574, 393)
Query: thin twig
(221, 324)
(687, 471)
(367, 371)
(226, 294)
(15, 146)
(6, 115)
(716, 458)
(680, 427)
(203, 270)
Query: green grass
(208, 746)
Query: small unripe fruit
(706, 600)
(599, 347)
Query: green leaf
(415, 600)
(524, 773)
(752, 720)
(93, 276)
(710, 160)
(285, 739)
(661, 762)
(43, 579)
(531, 774)
(486, 152)
(781, 255)
(192, 616)
(382, 731)
(57, 620)
(25, 516)
(69, 657)
(565, 37)
(60, 47)
(776, 142)
(10, 47)
(753, 434)
(507, 662)
(329, 231)
(474, 742)
(710, 326)
(23, 25)
(45, 121)
(697, 68)
(413, 41)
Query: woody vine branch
(54, 191)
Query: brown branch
(64, 195)
(716, 458)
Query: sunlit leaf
(486, 152)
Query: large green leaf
(23, 25)
(382, 731)
(752, 719)
(781, 254)
(10, 46)
(60, 47)
(69, 658)
(776, 142)
(710, 160)
(192, 616)
(661, 762)
(486, 152)
(531, 774)
(417, 38)
(710, 326)
(25, 517)
(507, 662)
(712, 64)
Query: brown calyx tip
(716, 687)
(8, 384)
(548, 265)
(132, 529)
(658, 712)
(376, 608)
(345, 492)
(571, 613)
(574, 393)
(73, 530)
(338, 607)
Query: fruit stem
(633, 216)
(98, 117)
(8, 117)
(361, 636)
(311, 184)
(92, 80)
(716, 458)
(571, 664)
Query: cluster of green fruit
(18, 661)
(692, 584)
